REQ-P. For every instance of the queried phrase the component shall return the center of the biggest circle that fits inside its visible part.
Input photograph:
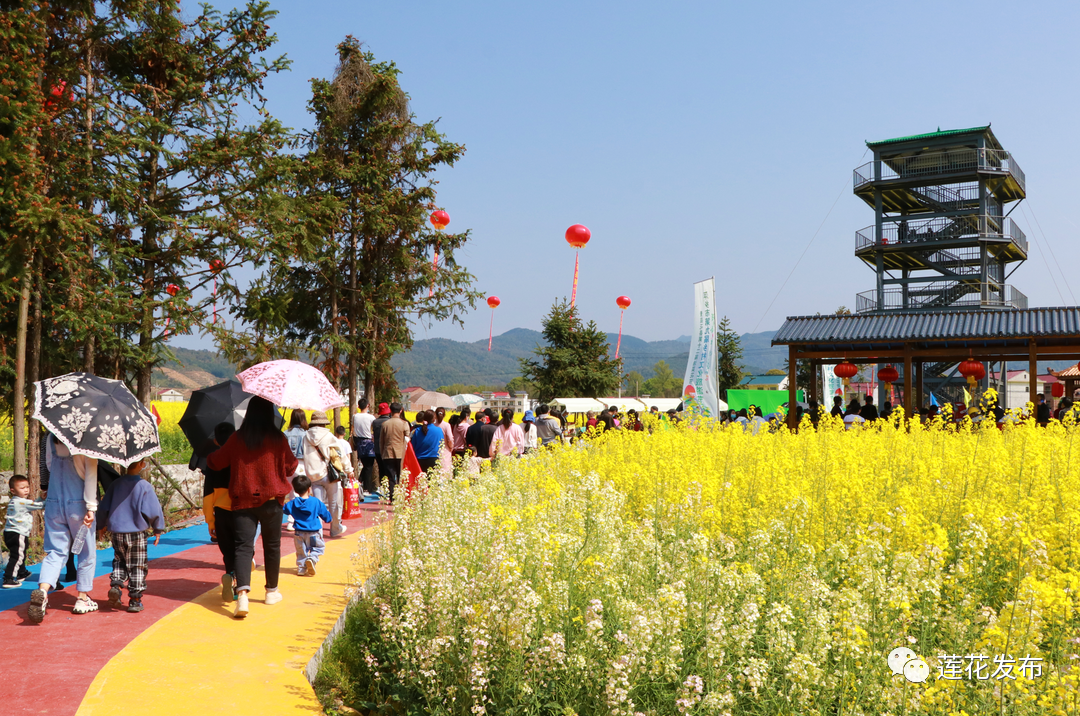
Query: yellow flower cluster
(777, 570)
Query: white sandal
(84, 606)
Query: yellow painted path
(199, 660)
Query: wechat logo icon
(904, 661)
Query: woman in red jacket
(260, 463)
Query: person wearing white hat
(320, 447)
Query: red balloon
(217, 265)
(493, 301)
(577, 236)
(623, 302)
(172, 289)
(888, 374)
(440, 219)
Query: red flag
(157, 416)
(412, 465)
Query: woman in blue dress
(70, 505)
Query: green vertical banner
(700, 393)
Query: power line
(1043, 255)
(808, 245)
(1058, 263)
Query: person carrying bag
(323, 466)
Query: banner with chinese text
(700, 393)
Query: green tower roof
(930, 135)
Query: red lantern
(980, 373)
(440, 219)
(57, 93)
(1057, 390)
(493, 302)
(217, 265)
(888, 375)
(577, 236)
(846, 370)
(970, 368)
(172, 289)
(622, 302)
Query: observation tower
(942, 238)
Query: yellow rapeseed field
(707, 570)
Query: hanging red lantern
(980, 373)
(623, 302)
(846, 370)
(217, 265)
(172, 289)
(1057, 390)
(57, 94)
(970, 368)
(888, 375)
(439, 219)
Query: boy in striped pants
(129, 508)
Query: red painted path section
(53, 663)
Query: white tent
(579, 405)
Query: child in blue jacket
(129, 508)
(309, 513)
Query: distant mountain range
(435, 362)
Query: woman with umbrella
(89, 419)
(70, 506)
(260, 464)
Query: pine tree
(664, 383)
(190, 189)
(729, 356)
(350, 289)
(575, 361)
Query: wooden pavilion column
(1033, 372)
(907, 380)
(919, 385)
(792, 415)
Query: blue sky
(701, 139)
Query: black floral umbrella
(96, 417)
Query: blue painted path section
(171, 543)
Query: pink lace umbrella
(291, 384)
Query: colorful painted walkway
(184, 654)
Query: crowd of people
(260, 480)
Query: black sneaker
(115, 597)
(12, 583)
(135, 605)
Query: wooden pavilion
(914, 340)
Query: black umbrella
(222, 403)
(96, 417)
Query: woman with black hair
(446, 458)
(509, 439)
(260, 463)
(426, 440)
